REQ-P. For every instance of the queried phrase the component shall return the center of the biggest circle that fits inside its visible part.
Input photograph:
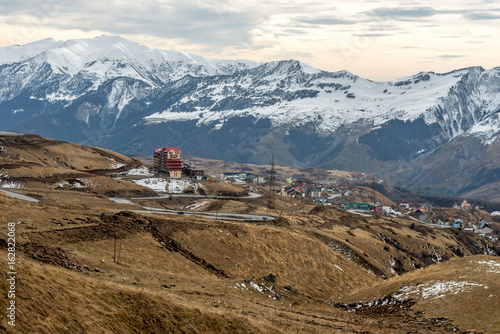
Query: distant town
(361, 200)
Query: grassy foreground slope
(90, 265)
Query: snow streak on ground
(6, 183)
(171, 186)
(143, 171)
(195, 206)
(115, 164)
(179, 186)
(11, 184)
(434, 290)
(252, 286)
(156, 183)
(492, 266)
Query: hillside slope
(86, 262)
(33, 162)
(462, 291)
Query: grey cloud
(414, 13)
(450, 56)
(481, 16)
(402, 12)
(372, 35)
(183, 20)
(324, 21)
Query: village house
(302, 190)
(359, 206)
(488, 220)
(404, 204)
(459, 223)
(321, 201)
(242, 178)
(343, 203)
(485, 232)
(420, 213)
(482, 224)
(465, 206)
(428, 207)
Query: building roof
(486, 230)
(168, 149)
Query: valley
(88, 261)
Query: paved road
(360, 213)
(429, 224)
(209, 215)
(250, 195)
(121, 200)
(20, 196)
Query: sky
(378, 40)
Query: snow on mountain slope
(17, 53)
(289, 92)
(487, 131)
(109, 57)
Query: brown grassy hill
(32, 162)
(90, 265)
(465, 291)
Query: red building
(168, 160)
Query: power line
(271, 185)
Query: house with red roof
(465, 206)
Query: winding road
(209, 215)
(20, 196)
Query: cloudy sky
(379, 40)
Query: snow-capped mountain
(114, 93)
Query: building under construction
(168, 160)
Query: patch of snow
(143, 171)
(11, 185)
(195, 206)
(493, 267)
(171, 186)
(435, 290)
(255, 286)
(87, 183)
(60, 96)
(157, 184)
(115, 164)
(176, 186)
(262, 288)
(62, 184)
(487, 131)
(338, 267)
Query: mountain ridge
(246, 111)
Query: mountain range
(437, 133)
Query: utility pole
(120, 248)
(374, 197)
(271, 185)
